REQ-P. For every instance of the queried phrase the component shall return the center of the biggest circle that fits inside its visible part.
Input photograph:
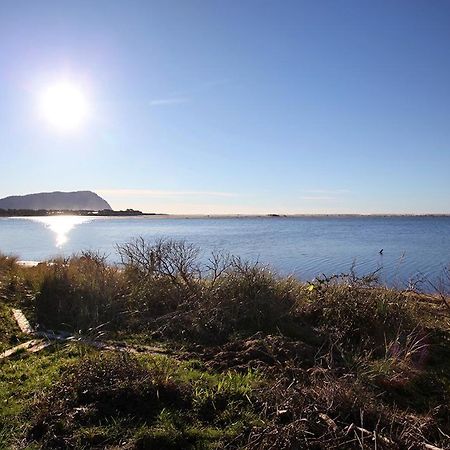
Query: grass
(22, 377)
(72, 399)
(257, 361)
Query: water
(303, 246)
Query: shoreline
(229, 216)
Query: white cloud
(317, 197)
(327, 191)
(169, 101)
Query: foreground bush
(355, 315)
(11, 283)
(7, 264)
(162, 289)
(160, 277)
(80, 293)
(165, 291)
(176, 296)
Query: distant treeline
(46, 212)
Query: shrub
(173, 293)
(80, 293)
(359, 314)
(160, 276)
(8, 264)
(9, 280)
(248, 298)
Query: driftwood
(22, 321)
(31, 346)
(43, 339)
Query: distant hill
(79, 200)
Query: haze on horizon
(209, 107)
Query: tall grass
(80, 293)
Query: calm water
(305, 247)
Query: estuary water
(305, 247)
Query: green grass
(38, 391)
(22, 377)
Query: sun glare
(61, 226)
(64, 106)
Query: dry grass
(80, 293)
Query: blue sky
(233, 106)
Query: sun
(64, 106)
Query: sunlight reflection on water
(61, 225)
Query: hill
(79, 200)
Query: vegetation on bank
(70, 212)
(256, 361)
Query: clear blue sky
(236, 106)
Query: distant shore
(136, 213)
(69, 212)
(289, 216)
